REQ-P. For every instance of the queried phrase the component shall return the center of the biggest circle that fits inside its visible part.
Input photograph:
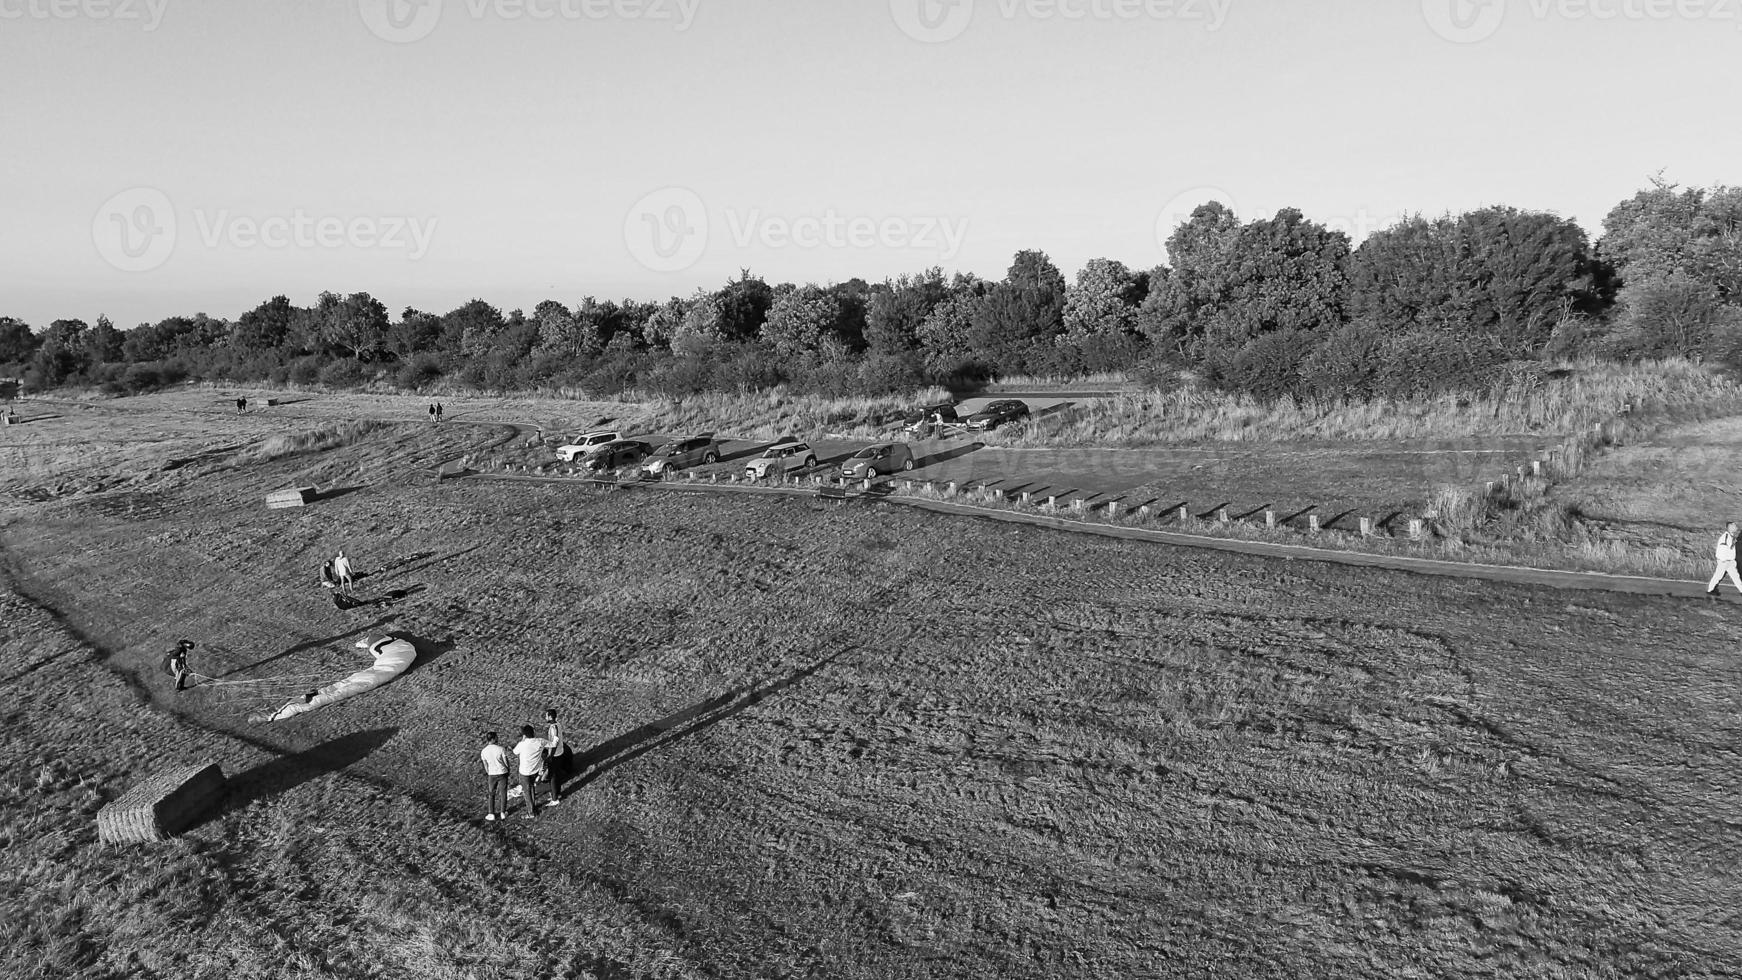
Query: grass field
(843, 743)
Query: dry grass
(287, 444)
(1557, 406)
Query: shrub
(341, 374)
(423, 369)
(305, 370)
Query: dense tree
(1679, 257)
(1173, 313)
(17, 341)
(471, 329)
(897, 307)
(353, 326)
(946, 334)
(416, 333)
(1104, 301)
(1023, 313)
(742, 306)
(103, 343)
(800, 319)
(266, 327)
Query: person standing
(1726, 555)
(432, 411)
(495, 759)
(558, 757)
(342, 571)
(530, 751)
(178, 663)
(438, 411)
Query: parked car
(998, 413)
(876, 460)
(680, 453)
(918, 421)
(617, 454)
(789, 454)
(587, 443)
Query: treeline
(1275, 306)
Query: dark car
(679, 453)
(615, 455)
(998, 413)
(918, 420)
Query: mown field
(858, 742)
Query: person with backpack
(1726, 556)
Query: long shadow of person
(632, 745)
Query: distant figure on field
(432, 411)
(1726, 555)
(342, 570)
(558, 758)
(241, 404)
(328, 579)
(438, 411)
(530, 751)
(495, 759)
(178, 663)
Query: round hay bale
(161, 805)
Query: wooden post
(1488, 488)
(1079, 505)
(1366, 527)
(1312, 523)
(1270, 519)
(1143, 512)
(953, 489)
(1113, 508)
(1027, 498)
(1221, 515)
(1185, 516)
(1052, 502)
(1536, 467)
(1415, 529)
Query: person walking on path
(495, 759)
(1726, 555)
(342, 571)
(557, 758)
(530, 751)
(178, 663)
(438, 408)
(432, 411)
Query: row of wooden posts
(1051, 503)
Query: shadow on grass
(428, 651)
(632, 745)
(311, 644)
(337, 493)
(287, 772)
(945, 455)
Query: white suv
(781, 457)
(586, 444)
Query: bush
(1427, 362)
(341, 374)
(1345, 364)
(305, 370)
(1266, 367)
(423, 369)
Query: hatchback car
(615, 455)
(680, 453)
(790, 454)
(998, 413)
(872, 461)
(587, 443)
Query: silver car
(682, 453)
(882, 458)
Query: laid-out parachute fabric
(392, 657)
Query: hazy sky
(175, 156)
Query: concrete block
(293, 497)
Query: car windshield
(869, 452)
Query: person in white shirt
(342, 570)
(495, 759)
(1726, 555)
(530, 751)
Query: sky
(165, 157)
